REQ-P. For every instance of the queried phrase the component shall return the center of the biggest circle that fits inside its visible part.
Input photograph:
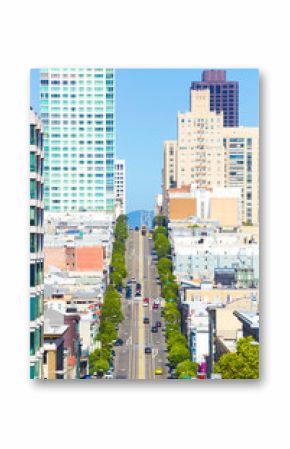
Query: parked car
(158, 370)
(146, 320)
(155, 306)
(154, 329)
(158, 324)
(148, 350)
(119, 342)
(113, 352)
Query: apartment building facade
(120, 185)
(241, 146)
(200, 153)
(78, 113)
(36, 246)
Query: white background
(145, 34)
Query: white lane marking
(154, 353)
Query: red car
(146, 300)
(155, 306)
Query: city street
(131, 362)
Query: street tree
(178, 353)
(244, 364)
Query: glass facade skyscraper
(78, 113)
(224, 95)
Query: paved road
(131, 362)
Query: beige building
(200, 153)
(208, 155)
(213, 204)
(241, 147)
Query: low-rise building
(217, 204)
(197, 258)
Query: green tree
(160, 220)
(186, 368)
(109, 328)
(160, 230)
(244, 364)
(171, 313)
(162, 245)
(178, 353)
(101, 366)
(176, 337)
(164, 267)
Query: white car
(108, 376)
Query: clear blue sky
(147, 102)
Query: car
(133, 280)
(158, 370)
(155, 306)
(113, 352)
(158, 324)
(146, 300)
(119, 342)
(145, 320)
(145, 304)
(173, 376)
(108, 375)
(148, 350)
(154, 329)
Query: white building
(120, 186)
(197, 257)
(78, 114)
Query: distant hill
(139, 217)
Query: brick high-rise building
(224, 95)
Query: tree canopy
(243, 364)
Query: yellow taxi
(158, 371)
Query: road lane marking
(141, 328)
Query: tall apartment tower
(169, 168)
(224, 95)
(200, 152)
(120, 186)
(36, 246)
(78, 113)
(241, 147)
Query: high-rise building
(208, 155)
(36, 246)
(241, 147)
(120, 185)
(169, 167)
(200, 152)
(78, 113)
(224, 95)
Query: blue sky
(147, 102)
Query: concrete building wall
(89, 258)
(225, 211)
(241, 146)
(182, 208)
(86, 258)
(200, 153)
(54, 257)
